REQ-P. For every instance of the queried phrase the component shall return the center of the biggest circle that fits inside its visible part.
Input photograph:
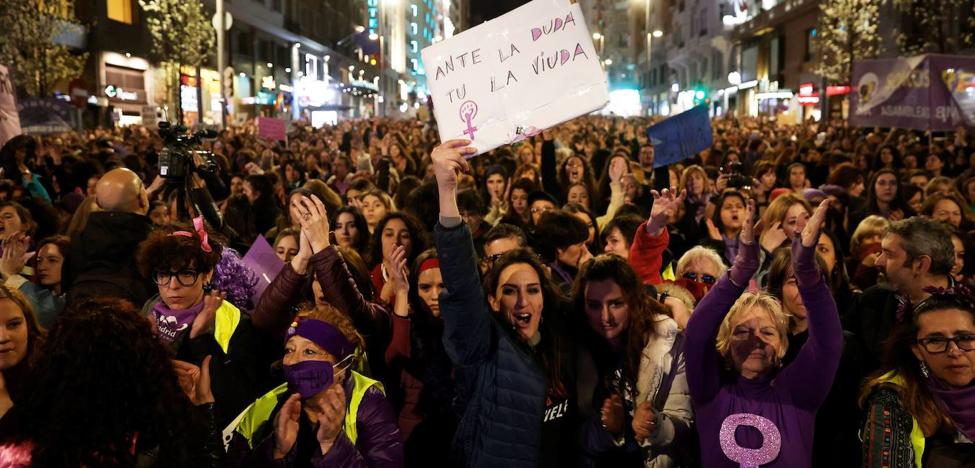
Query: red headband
(429, 263)
(201, 231)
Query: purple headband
(323, 334)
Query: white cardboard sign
(510, 78)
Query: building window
(120, 10)
(810, 44)
(413, 9)
(414, 46)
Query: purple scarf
(958, 403)
(173, 323)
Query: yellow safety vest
(917, 436)
(250, 421)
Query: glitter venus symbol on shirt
(748, 457)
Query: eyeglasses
(185, 278)
(542, 209)
(939, 344)
(706, 279)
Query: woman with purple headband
(326, 414)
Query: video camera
(176, 162)
(736, 177)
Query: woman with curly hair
(633, 351)
(103, 393)
(193, 318)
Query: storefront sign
(808, 96)
(116, 92)
(838, 90)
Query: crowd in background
(796, 295)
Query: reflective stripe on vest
(917, 437)
(254, 416)
(225, 323)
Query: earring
(925, 370)
(207, 288)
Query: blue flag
(681, 136)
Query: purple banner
(925, 92)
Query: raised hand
(286, 426)
(748, 227)
(773, 237)
(713, 231)
(313, 218)
(617, 168)
(448, 160)
(665, 205)
(810, 233)
(15, 255)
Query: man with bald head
(102, 260)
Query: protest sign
(264, 262)
(510, 78)
(681, 136)
(272, 129)
(9, 119)
(925, 92)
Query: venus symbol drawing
(468, 110)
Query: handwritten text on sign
(510, 78)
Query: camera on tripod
(176, 162)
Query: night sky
(482, 11)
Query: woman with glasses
(698, 269)
(921, 409)
(195, 321)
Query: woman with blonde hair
(751, 331)
(785, 216)
(864, 251)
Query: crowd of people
(794, 296)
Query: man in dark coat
(102, 260)
(917, 255)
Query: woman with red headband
(326, 414)
(425, 391)
(195, 321)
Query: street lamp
(658, 33)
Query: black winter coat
(102, 260)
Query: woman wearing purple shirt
(750, 412)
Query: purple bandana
(173, 323)
(323, 334)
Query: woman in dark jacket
(424, 396)
(511, 366)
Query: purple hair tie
(323, 334)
